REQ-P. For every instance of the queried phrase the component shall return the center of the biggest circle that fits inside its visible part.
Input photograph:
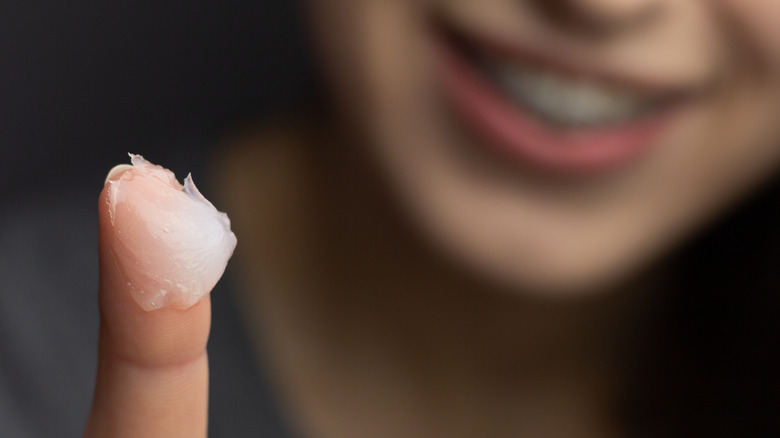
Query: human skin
(541, 234)
(537, 341)
(516, 223)
(162, 247)
(171, 244)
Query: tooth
(566, 101)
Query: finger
(152, 376)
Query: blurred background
(84, 83)
(81, 85)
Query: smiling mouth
(568, 102)
(549, 113)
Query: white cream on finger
(170, 243)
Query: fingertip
(117, 171)
(168, 334)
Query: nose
(601, 16)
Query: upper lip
(498, 48)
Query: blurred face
(560, 145)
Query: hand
(152, 378)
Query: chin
(576, 278)
(555, 273)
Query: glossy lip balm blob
(169, 242)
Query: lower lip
(520, 135)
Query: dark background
(82, 84)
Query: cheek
(375, 50)
(572, 241)
(368, 49)
(757, 21)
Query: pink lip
(519, 134)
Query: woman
(484, 247)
